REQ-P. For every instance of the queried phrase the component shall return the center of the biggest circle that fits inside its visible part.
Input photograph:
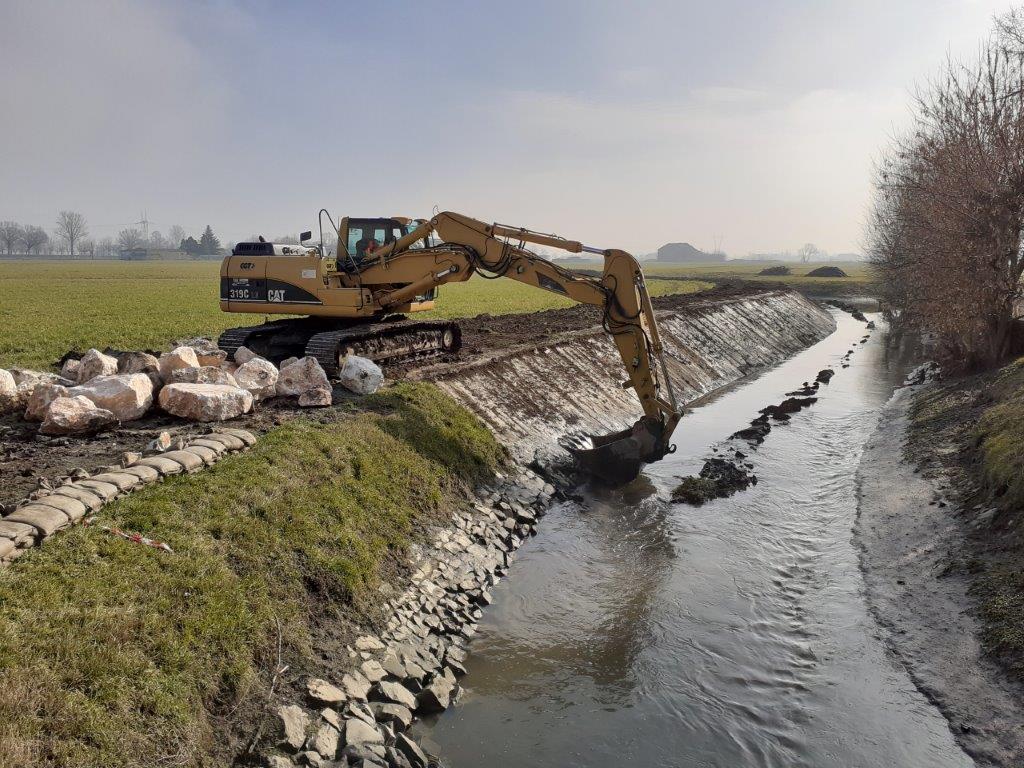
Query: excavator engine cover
(618, 457)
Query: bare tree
(87, 247)
(1010, 31)
(157, 240)
(946, 231)
(129, 239)
(11, 236)
(106, 248)
(34, 238)
(810, 252)
(71, 228)
(175, 235)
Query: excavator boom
(496, 250)
(386, 267)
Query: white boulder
(205, 402)
(26, 379)
(9, 397)
(94, 363)
(288, 361)
(206, 351)
(127, 395)
(243, 355)
(205, 374)
(39, 401)
(301, 376)
(74, 416)
(212, 358)
(26, 382)
(141, 362)
(259, 376)
(179, 357)
(70, 369)
(160, 443)
(317, 397)
(360, 375)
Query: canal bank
(294, 586)
(737, 633)
(917, 558)
(411, 664)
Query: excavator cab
(358, 238)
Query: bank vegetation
(946, 229)
(117, 654)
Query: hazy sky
(749, 124)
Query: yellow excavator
(355, 299)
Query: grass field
(118, 655)
(858, 280)
(48, 308)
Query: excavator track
(389, 342)
(233, 338)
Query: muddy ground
(27, 458)
(916, 552)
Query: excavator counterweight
(353, 300)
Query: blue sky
(749, 124)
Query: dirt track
(26, 457)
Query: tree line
(70, 236)
(946, 230)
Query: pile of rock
(411, 668)
(193, 381)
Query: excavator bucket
(618, 457)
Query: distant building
(684, 253)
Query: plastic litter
(137, 538)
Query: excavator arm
(496, 250)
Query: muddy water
(637, 632)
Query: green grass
(1001, 593)
(857, 283)
(115, 654)
(858, 280)
(48, 308)
(506, 297)
(983, 415)
(999, 436)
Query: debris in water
(790, 405)
(722, 477)
(718, 478)
(755, 433)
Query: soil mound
(827, 272)
(776, 271)
(718, 478)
